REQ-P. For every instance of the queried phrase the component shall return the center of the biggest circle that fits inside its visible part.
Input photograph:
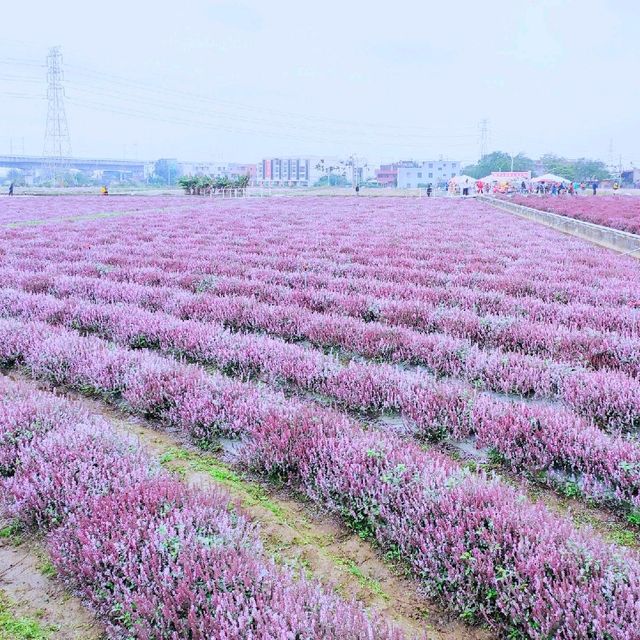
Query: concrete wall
(620, 241)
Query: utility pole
(484, 137)
(57, 143)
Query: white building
(287, 172)
(430, 172)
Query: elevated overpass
(33, 163)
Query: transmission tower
(484, 137)
(57, 143)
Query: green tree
(16, 176)
(587, 169)
(188, 183)
(499, 161)
(580, 169)
(242, 182)
(335, 180)
(558, 166)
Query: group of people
(538, 188)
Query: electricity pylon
(57, 143)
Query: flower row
(153, 558)
(618, 212)
(513, 257)
(474, 542)
(609, 398)
(233, 268)
(604, 467)
(582, 345)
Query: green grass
(365, 581)
(617, 533)
(251, 493)
(46, 568)
(12, 533)
(13, 627)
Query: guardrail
(620, 241)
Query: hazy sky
(243, 79)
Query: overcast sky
(243, 79)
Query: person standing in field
(11, 189)
(429, 190)
(594, 186)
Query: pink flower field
(619, 212)
(408, 366)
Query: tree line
(580, 169)
(206, 185)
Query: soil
(296, 534)
(39, 597)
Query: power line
(255, 123)
(142, 86)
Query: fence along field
(473, 327)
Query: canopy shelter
(464, 181)
(461, 183)
(550, 177)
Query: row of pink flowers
(609, 398)
(514, 260)
(152, 558)
(581, 344)
(474, 542)
(606, 468)
(38, 208)
(618, 212)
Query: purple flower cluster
(618, 212)
(592, 340)
(473, 541)
(456, 288)
(154, 558)
(605, 468)
(494, 369)
(28, 209)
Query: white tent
(550, 177)
(464, 181)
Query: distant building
(286, 172)
(631, 178)
(237, 170)
(387, 175)
(409, 174)
(421, 174)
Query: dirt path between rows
(294, 531)
(39, 597)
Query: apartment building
(286, 172)
(421, 174)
